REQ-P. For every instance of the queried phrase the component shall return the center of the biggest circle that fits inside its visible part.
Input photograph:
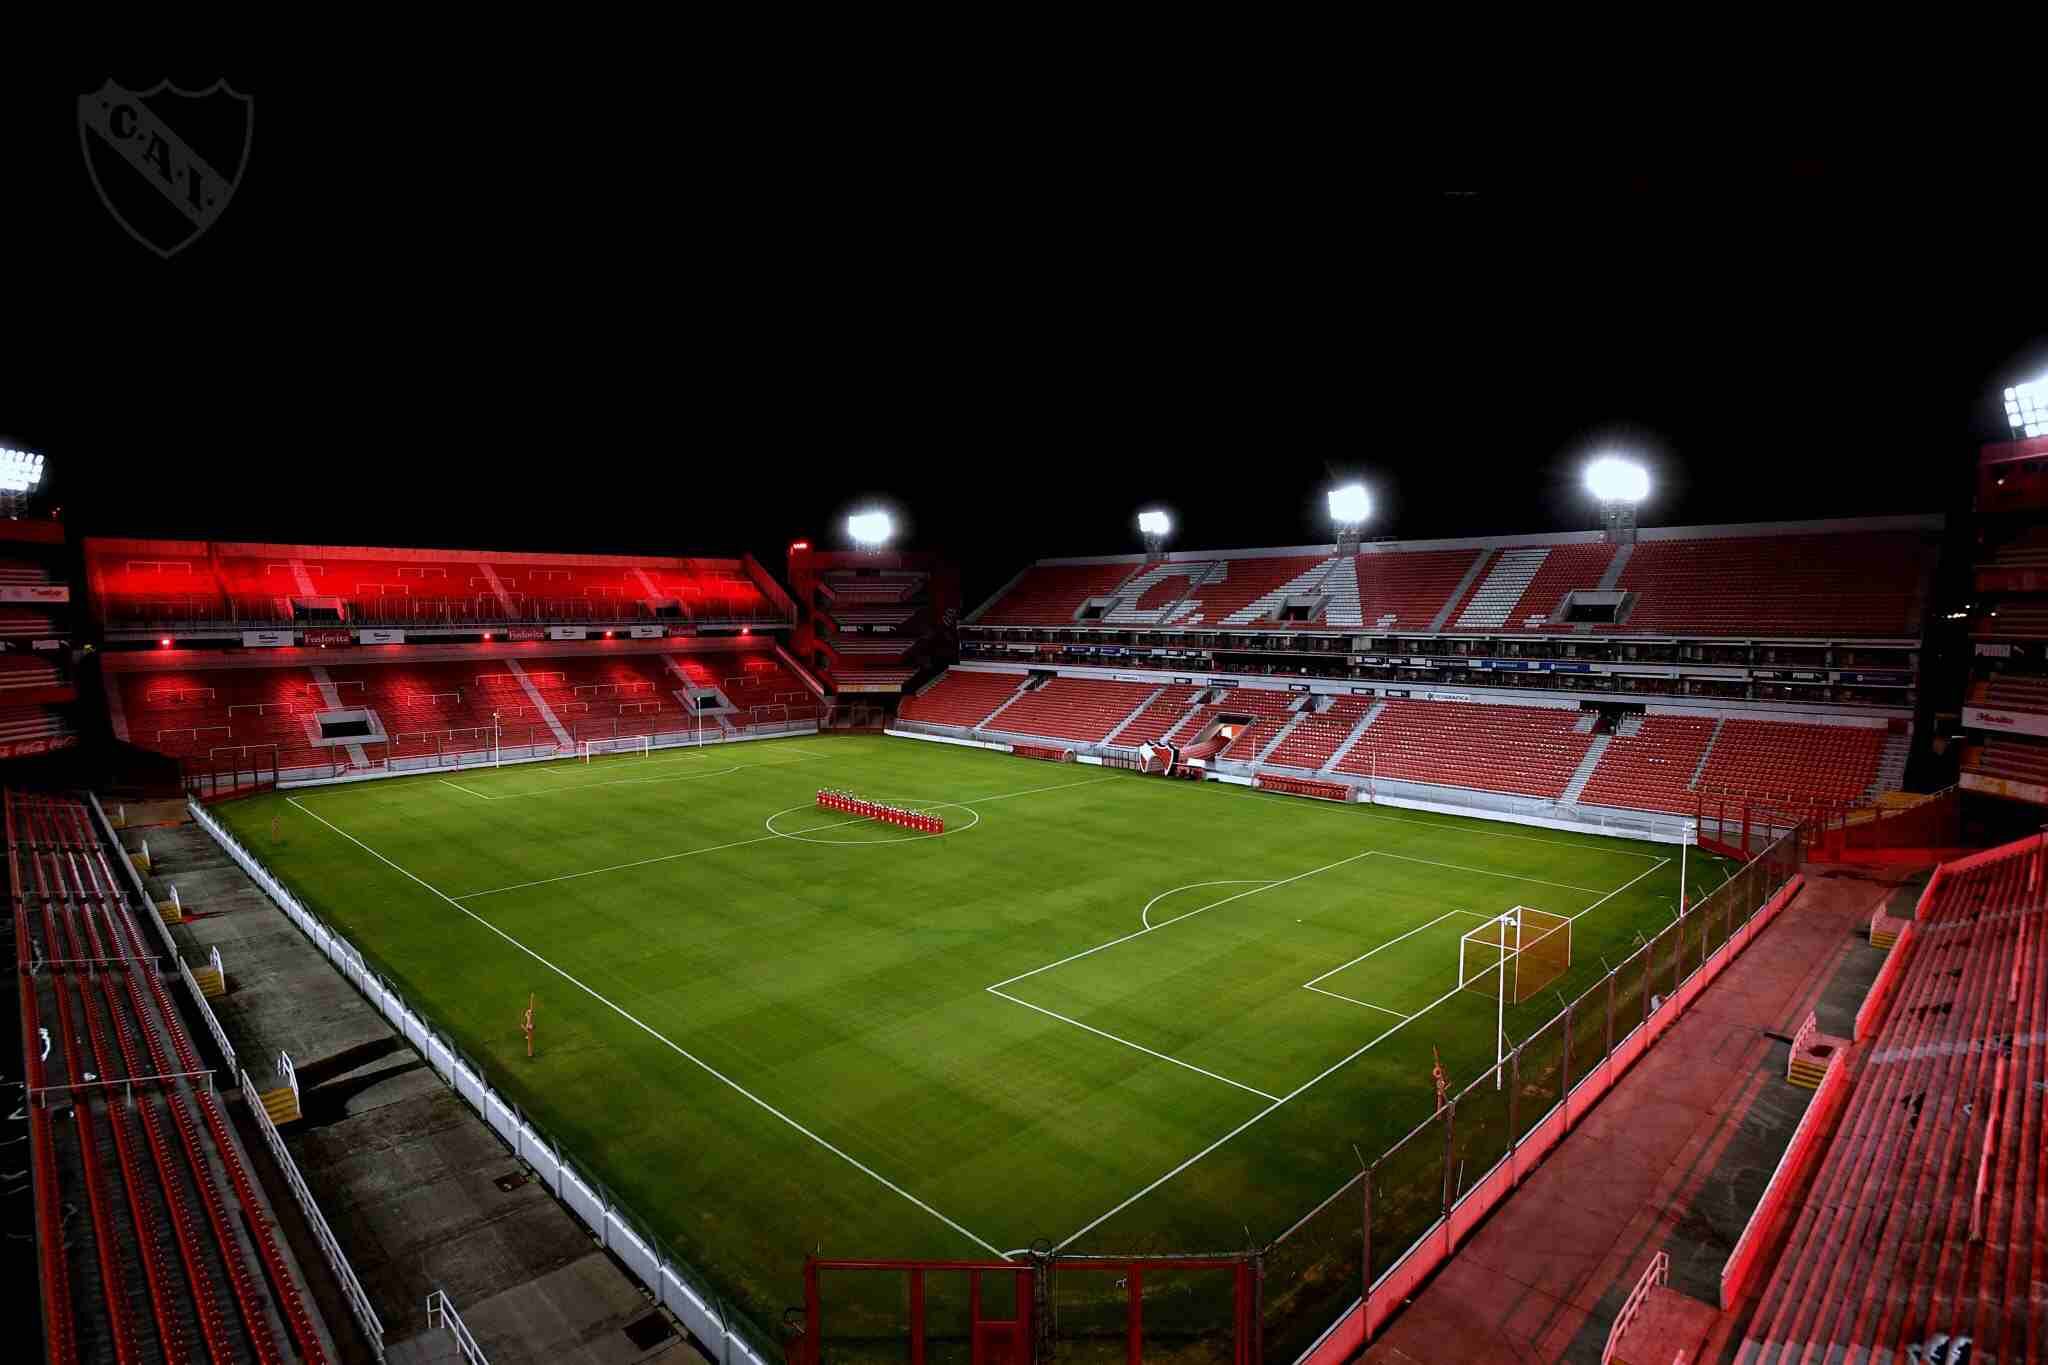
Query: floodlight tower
(1350, 508)
(1155, 526)
(870, 530)
(20, 472)
(2026, 409)
(1620, 485)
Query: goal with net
(1515, 955)
(1510, 959)
(623, 744)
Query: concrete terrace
(1673, 1160)
(407, 1174)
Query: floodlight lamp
(2026, 408)
(1613, 479)
(1154, 523)
(20, 470)
(1350, 505)
(870, 528)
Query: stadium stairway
(1136, 711)
(540, 703)
(1351, 740)
(1598, 751)
(334, 703)
(1293, 721)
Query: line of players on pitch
(875, 810)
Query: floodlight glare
(1613, 479)
(20, 470)
(1350, 505)
(870, 528)
(1154, 523)
(2026, 408)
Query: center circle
(908, 836)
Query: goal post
(1516, 955)
(1512, 958)
(617, 744)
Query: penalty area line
(1320, 1077)
(1311, 982)
(1354, 1000)
(670, 1043)
(1139, 1047)
(1299, 1090)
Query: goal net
(1515, 955)
(619, 744)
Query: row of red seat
(1929, 1214)
(194, 1278)
(1654, 762)
(439, 706)
(1083, 710)
(1853, 583)
(184, 581)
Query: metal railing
(1658, 1272)
(330, 1246)
(441, 1313)
(733, 1337)
(1350, 1245)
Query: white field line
(1033, 791)
(1373, 814)
(1323, 1075)
(1139, 1047)
(1619, 889)
(1310, 983)
(1506, 876)
(629, 782)
(459, 787)
(1154, 928)
(644, 862)
(1351, 999)
(1298, 1090)
(706, 1067)
(737, 843)
(1145, 915)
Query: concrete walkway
(407, 1175)
(1674, 1159)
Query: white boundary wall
(1494, 806)
(673, 1285)
(465, 762)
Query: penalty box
(1268, 982)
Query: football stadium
(1201, 954)
(1006, 761)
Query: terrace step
(1274, 743)
(1350, 740)
(1495, 600)
(281, 1104)
(1807, 1075)
(1594, 752)
(1136, 711)
(1693, 783)
(1443, 615)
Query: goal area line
(1319, 1078)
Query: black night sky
(573, 329)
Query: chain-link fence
(1325, 1263)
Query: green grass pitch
(1083, 1014)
